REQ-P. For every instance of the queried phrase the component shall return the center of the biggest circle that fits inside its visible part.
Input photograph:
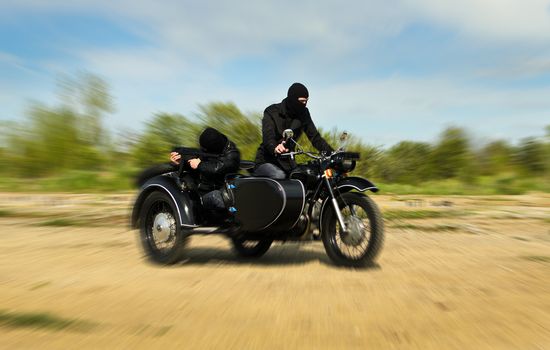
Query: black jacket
(213, 170)
(276, 119)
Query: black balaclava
(295, 107)
(212, 141)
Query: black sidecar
(168, 210)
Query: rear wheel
(251, 249)
(361, 243)
(160, 230)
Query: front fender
(345, 185)
(167, 184)
(355, 183)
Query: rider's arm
(225, 164)
(269, 140)
(314, 136)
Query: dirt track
(477, 278)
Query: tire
(364, 241)
(160, 229)
(251, 249)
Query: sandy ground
(476, 280)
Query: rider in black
(213, 169)
(291, 113)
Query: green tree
(88, 96)
(407, 162)
(495, 158)
(531, 156)
(244, 130)
(451, 156)
(66, 136)
(162, 134)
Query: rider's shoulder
(274, 108)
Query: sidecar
(168, 209)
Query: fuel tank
(264, 204)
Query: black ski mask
(295, 107)
(212, 141)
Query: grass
(503, 184)
(5, 213)
(520, 238)
(61, 222)
(537, 258)
(407, 227)
(396, 214)
(40, 285)
(39, 320)
(72, 181)
(436, 228)
(122, 179)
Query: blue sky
(385, 70)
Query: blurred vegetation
(41, 320)
(65, 147)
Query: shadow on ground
(279, 255)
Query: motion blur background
(447, 101)
(440, 97)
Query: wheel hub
(163, 227)
(355, 234)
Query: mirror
(288, 134)
(343, 141)
(344, 136)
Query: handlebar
(309, 154)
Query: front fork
(335, 205)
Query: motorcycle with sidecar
(261, 210)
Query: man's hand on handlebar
(281, 148)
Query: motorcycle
(168, 210)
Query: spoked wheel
(160, 231)
(251, 249)
(359, 245)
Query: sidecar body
(254, 204)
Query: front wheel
(160, 230)
(251, 249)
(360, 244)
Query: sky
(386, 71)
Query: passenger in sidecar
(223, 158)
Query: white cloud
(420, 108)
(501, 20)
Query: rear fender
(168, 185)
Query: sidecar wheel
(160, 229)
(251, 249)
(360, 245)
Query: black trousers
(213, 200)
(270, 170)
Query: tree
(531, 157)
(87, 95)
(407, 162)
(244, 130)
(66, 136)
(451, 156)
(496, 157)
(162, 134)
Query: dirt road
(474, 276)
